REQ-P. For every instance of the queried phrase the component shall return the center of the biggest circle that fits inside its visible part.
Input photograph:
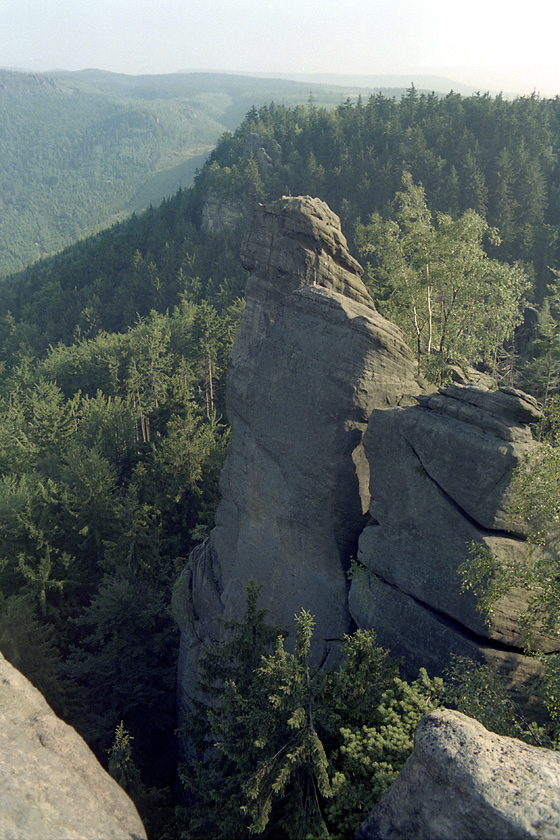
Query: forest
(81, 150)
(113, 431)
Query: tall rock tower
(311, 361)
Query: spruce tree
(289, 750)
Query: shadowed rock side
(440, 477)
(465, 783)
(311, 360)
(51, 784)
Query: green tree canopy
(436, 281)
(291, 748)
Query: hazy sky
(496, 44)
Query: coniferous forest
(81, 150)
(113, 431)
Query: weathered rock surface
(465, 783)
(219, 213)
(440, 473)
(266, 150)
(51, 785)
(311, 360)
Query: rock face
(51, 785)
(313, 366)
(311, 361)
(266, 151)
(440, 473)
(219, 213)
(465, 783)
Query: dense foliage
(487, 154)
(79, 150)
(454, 303)
(487, 165)
(110, 451)
(75, 159)
(289, 749)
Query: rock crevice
(502, 478)
(480, 641)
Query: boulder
(51, 784)
(312, 359)
(465, 783)
(440, 477)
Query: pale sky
(494, 44)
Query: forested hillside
(497, 157)
(80, 150)
(114, 351)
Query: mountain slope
(497, 157)
(81, 150)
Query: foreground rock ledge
(51, 785)
(465, 783)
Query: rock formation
(51, 785)
(440, 473)
(266, 150)
(313, 366)
(219, 213)
(465, 783)
(312, 359)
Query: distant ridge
(377, 82)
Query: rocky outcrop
(313, 367)
(221, 212)
(311, 361)
(440, 473)
(266, 150)
(465, 783)
(51, 785)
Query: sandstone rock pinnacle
(311, 361)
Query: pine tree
(283, 747)
(214, 776)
